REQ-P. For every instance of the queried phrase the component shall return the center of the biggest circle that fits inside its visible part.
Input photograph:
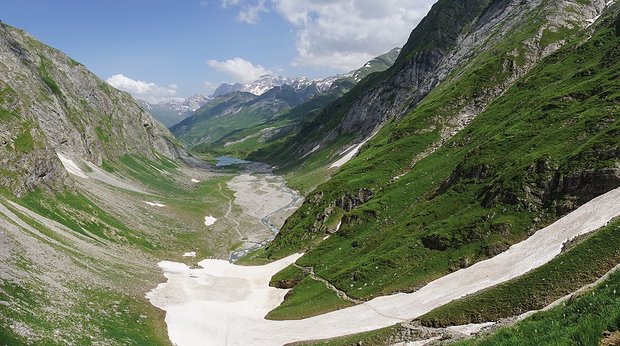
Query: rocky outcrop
(50, 103)
(546, 186)
(348, 202)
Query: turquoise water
(224, 161)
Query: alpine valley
(463, 189)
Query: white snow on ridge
(350, 153)
(222, 303)
(190, 254)
(593, 20)
(71, 167)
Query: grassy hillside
(429, 40)
(76, 264)
(565, 274)
(592, 319)
(410, 215)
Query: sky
(163, 49)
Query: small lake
(223, 161)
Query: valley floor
(221, 303)
(75, 265)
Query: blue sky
(175, 48)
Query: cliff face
(50, 103)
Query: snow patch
(71, 167)
(593, 20)
(155, 204)
(317, 147)
(222, 303)
(190, 254)
(350, 152)
(210, 220)
(195, 180)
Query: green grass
(486, 188)
(47, 79)
(108, 167)
(81, 215)
(579, 266)
(155, 175)
(385, 336)
(6, 114)
(11, 292)
(288, 276)
(188, 202)
(102, 134)
(24, 141)
(124, 319)
(308, 298)
(549, 37)
(112, 317)
(581, 321)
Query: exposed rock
(51, 103)
(349, 202)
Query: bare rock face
(50, 103)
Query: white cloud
(240, 70)
(147, 91)
(250, 13)
(345, 34)
(340, 34)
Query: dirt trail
(341, 294)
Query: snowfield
(224, 304)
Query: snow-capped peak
(268, 82)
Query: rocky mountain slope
(79, 160)
(243, 118)
(50, 103)
(174, 111)
(497, 118)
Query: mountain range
(461, 189)
(266, 110)
(172, 112)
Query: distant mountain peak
(268, 81)
(175, 110)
